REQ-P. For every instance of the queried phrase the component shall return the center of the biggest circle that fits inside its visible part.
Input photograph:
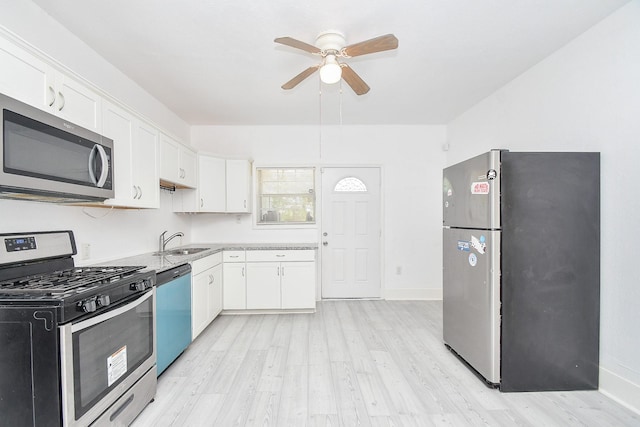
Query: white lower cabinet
(234, 280)
(206, 292)
(263, 285)
(269, 279)
(298, 284)
(281, 279)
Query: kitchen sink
(184, 251)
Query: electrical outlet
(85, 251)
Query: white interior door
(351, 232)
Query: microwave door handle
(92, 156)
(105, 166)
(99, 182)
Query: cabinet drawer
(281, 255)
(202, 264)
(233, 256)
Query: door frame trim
(319, 202)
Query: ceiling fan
(330, 45)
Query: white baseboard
(413, 294)
(620, 389)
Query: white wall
(115, 233)
(411, 159)
(585, 97)
(26, 20)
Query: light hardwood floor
(370, 363)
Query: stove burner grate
(67, 280)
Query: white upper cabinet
(29, 79)
(238, 185)
(76, 102)
(178, 163)
(224, 186)
(145, 160)
(134, 161)
(23, 76)
(211, 188)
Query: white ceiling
(215, 62)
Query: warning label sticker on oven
(480, 188)
(116, 365)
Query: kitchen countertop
(165, 262)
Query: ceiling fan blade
(357, 84)
(288, 41)
(377, 44)
(300, 77)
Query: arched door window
(350, 184)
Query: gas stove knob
(148, 284)
(103, 300)
(138, 286)
(88, 305)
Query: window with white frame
(286, 196)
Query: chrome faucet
(162, 242)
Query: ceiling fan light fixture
(330, 71)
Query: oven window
(106, 353)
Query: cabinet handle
(201, 202)
(278, 270)
(245, 204)
(135, 196)
(242, 271)
(210, 278)
(53, 96)
(61, 101)
(140, 193)
(280, 255)
(282, 271)
(234, 256)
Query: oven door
(103, 356)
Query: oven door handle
(110, 314)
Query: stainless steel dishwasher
(173, 314)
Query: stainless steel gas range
(76, 343)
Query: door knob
(325, 243)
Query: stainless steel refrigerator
(521, 268)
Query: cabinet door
(145, 169)
(298, 284)
(199, 306)
(118, 125)
(263, 285)
(34, 82)
(188, 161)
(234, 285)
(177, 163)
(77, 103)
(215, 292)
(169, 159)
(211, 187)
(238, 177)
(25, 77)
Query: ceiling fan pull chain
(319, 119)
(340, 105)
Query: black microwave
(47, 158)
